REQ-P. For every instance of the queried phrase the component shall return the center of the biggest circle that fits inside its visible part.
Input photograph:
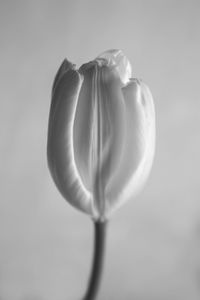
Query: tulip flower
(101, 135)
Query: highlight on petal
(60, 150)
(115, 58)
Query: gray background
(154, 240)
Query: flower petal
(99, 130)
(82, 130)
(139, 144)
(60, 150)
(114, 125)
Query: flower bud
(101, 134)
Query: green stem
(98, 258)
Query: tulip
(101, 139)
(101, 134)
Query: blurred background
(153, 248)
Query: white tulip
(101, 134)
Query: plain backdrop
(153, 248)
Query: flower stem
(98, 259)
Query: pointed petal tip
(68, 65)
(72, 78)
(65, 66)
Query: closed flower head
(101, 134)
